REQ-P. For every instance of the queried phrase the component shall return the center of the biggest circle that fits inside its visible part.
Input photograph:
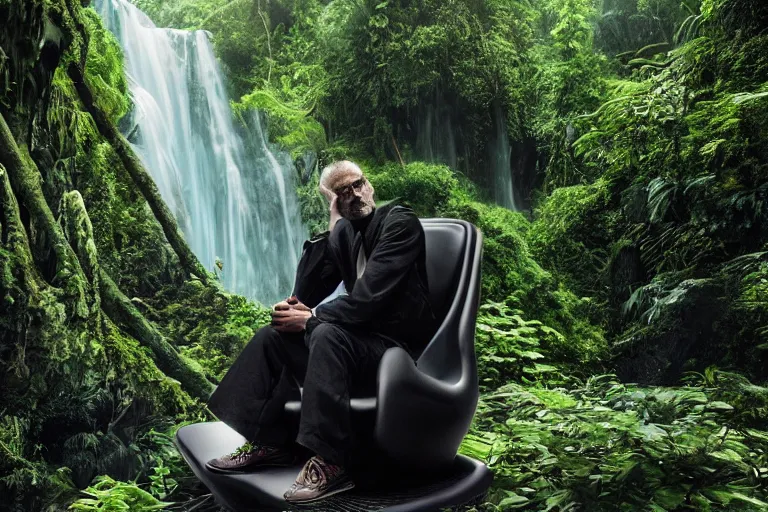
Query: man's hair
(336, 167)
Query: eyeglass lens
(347, 189)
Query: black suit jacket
(391, 297)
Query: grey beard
(362, 210)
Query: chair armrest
(420, 420)
(398, 374)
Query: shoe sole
(347, 487)
(251, 469)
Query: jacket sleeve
(399, 245)
(317, 274)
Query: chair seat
(263, 490)
(358, 406)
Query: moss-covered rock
(677, 330)
(571, 230)
(207, 325)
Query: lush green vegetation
(623, 333)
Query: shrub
(424, 187)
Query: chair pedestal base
(263, 490)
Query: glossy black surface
(383, 490)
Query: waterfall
(438, 140)
(435, 140)
(500, 158)
(233, 198)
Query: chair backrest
(453, 256)
(445, 253)
(422, 419)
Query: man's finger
(282, 314)
(326, 191)
(281, 305)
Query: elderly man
(334, 345)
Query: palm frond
(744, 97)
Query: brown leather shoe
(318, 480)
(250, 457)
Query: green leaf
(749, 499)
(529, 354)
(513, 501)
(670, 497)
(727, 455)
(719, 407)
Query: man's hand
(333, 209)
(290, 315)
(293, 320)
(286, 304)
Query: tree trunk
(123, 313)
(86, 287)
(26, 186)
(16, 236)
(121, 310)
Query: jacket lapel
(372, 233)
(356, 247)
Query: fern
(661, 195)
(108, 494)
(745, 97)
(689, 29)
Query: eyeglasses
(347, 189)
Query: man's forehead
(344, 177)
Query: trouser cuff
(321, 448)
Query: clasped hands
(290, 315)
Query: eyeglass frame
(347, 189)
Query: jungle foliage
(639, 135)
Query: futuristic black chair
(416, 421)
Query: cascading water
(438, 141)
(435, 141)
(500, 157)
(234, 204)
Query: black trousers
(332, 364)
